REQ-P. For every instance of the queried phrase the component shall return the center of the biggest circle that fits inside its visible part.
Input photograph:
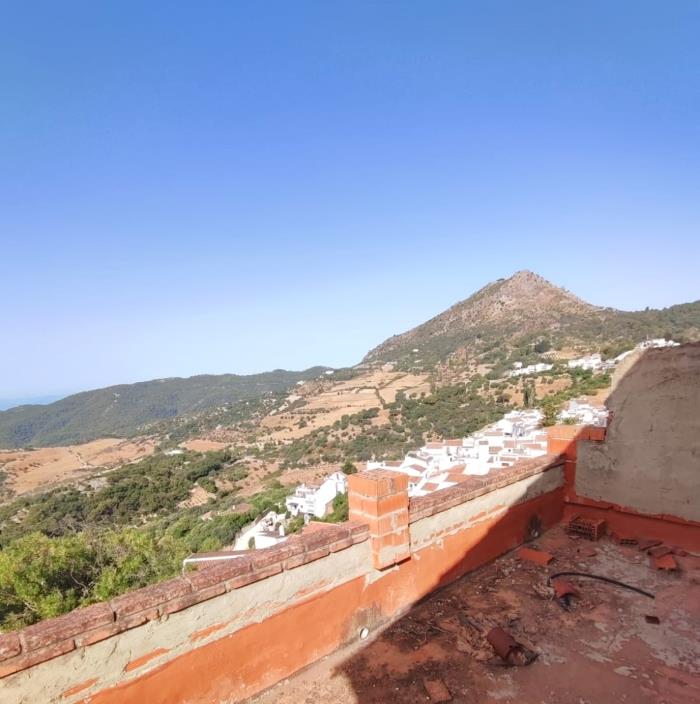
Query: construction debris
(665, 562)
(563, 591)
(539, 557)
(622, 539)
(437, 691)
(508, 649)
(659, 551)
(646, 543)
(603, 578)
(589, 528)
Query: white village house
(316, 500)
(437, 465)
(582, 413)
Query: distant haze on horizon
(237, 188)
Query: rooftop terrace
(603, 649)
(421, 578)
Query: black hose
(602, 579)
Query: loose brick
(58, 629)
(367, 484)
(538, 557)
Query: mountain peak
(526, 283)
(522, 305)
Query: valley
(179, 466)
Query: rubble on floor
(609, 644)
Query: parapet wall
(229, 630)
(650, 461)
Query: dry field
(204, 445)
(369, 390)
(46, 467)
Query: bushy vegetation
(341, 509)
(449, 411)
(72, 547)
(583, 383)
(135, 493)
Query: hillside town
(440, 464)
(591, 362)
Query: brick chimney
(379, 498)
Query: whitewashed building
(657, 342)
(518, 435)
(530, 369)
(580, 412)
(316, 499)
(590, 361)
(266, 531)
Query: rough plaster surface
(650, 460)
(463, 515)
(236, 609)
(252, 604)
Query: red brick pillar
(379, 498)
(561, 440)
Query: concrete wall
(650, 460)
(230, 630)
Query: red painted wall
(239, 665)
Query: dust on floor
(603, 649)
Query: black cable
(602, 579)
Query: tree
(349, 467)
(41, 577)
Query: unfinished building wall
(650, 460)
(225, 632)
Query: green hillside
(127, 409)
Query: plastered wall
(650, 460)
(289, 607)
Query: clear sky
(205, 187)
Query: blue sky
(233, 187)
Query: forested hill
(124, 410)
